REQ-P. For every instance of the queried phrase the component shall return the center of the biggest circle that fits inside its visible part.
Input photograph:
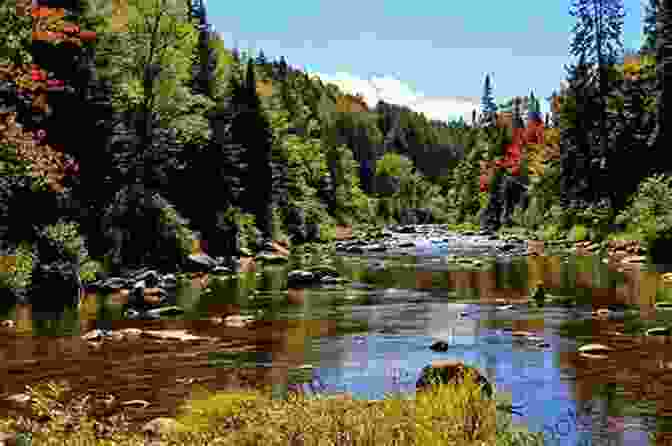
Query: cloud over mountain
(394, 91)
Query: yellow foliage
(540, 154)
(264, 88)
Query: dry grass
(446, 415)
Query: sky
(431, 55)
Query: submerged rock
(440, 346)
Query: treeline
(128, 142)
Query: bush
(171, 219)
(246, 228)
(277, 226)
(19, 274)
(649, 214)
(394, 165)
(65, 238)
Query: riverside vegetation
(176, 135)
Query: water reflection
(372, 342)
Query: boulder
(440, 346)
(448, 372)
(300, 278)
(202, 261)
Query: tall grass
(449, 414)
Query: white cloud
(394, 91)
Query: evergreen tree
(517, 114)
(488, 106)
(649, 26)
(253, 124)
(533, 107)
(283, 67)
(577, 128)
(261, 58)
(663, 78)
(203, 70)
(597, 37)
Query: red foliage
(532, 134)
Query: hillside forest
(127, 129)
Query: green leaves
(15, 35)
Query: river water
(372, 337)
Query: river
(372, 337)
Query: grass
(445, 415)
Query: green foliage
(159, 33)
(10, 164)
(350, 199)
(170, 218)
(246, 227)
(551, 232)
(649, 213)
(466, 180)
(277, 230)
(19, 275)
(88, 270)
(66, 238)
(544, 193)
(15, 35)
(578, 233)
(307, 164)
(394, 165)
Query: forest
(125, 131)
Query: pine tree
(649, 26)
(597, 37)
(253, 123)
(261, 58)
(488, 106)
(663, 77)
(517, 114)
(580, 105)
(203, 70)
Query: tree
(577, 125)
(649, 26)
(252, 125)
(663, 73)
(597, 37)
(261, 58)
(488, 106)
(203, 70)
(15, 35)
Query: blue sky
(430, 50)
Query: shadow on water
(371, 338)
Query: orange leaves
(48, 12)
(350, 104)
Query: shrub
(394, 165)
(649, 214)
(19, 274)
(246, 228)
(171, 219)
(65, 238)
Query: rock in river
(450, 371)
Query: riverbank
(447, 415)
(390, 238)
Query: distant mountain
(394, 91)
